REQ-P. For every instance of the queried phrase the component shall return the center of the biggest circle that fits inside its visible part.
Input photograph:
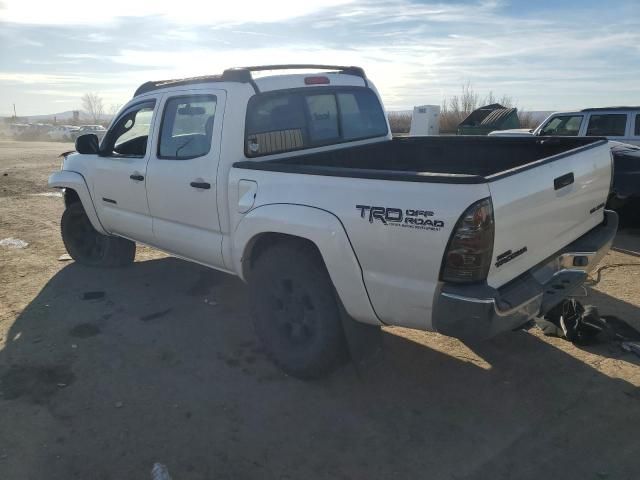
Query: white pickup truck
(293, 183)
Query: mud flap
(364, 341)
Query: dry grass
(527, 120)
(400, 123)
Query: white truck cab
(293, 183)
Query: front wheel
(295, 311)
(89, 247)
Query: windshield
(565, 125)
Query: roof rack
(243, 75)
(602, 109)
(348, 70)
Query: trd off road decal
(409, 218)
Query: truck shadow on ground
(109, 371)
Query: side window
(637, 128)
(276, 124)
(566, 126)
(609, 125)
(323, 118)
(130, 133)
(187, 127)
(299, 119)
(361, 115)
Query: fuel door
(247, 190)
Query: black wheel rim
(86, 240)
(294, 313)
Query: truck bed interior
(454, 159)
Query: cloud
(75, 12)
(545, 55)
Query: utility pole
(14, 111)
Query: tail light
(468, 255)
(316, 80)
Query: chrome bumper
(476, 312)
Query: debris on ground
(84, 330)
(11, 242)
(160, 472)
(152, 316)
(583, 325)
(93, 295)
(118, 404)
(633, 347)
(572, 321)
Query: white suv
(618, 123)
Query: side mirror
(87, 143)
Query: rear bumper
(476, 312)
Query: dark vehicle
(489, 118)
(626, 174)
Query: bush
(527, 120)
(399, 123)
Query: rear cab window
(285, 121)
(563, 125)
(607, 125)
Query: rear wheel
(89, 247)
(295, 310)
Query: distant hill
(68, 115)
(61, 117)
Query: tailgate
(546, 206)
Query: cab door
(182, 172)
(119, 179)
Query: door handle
(563, 181)
(201, 185)
(137, 177)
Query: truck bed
(432, 159)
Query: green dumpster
(489, 118)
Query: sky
(546, 55)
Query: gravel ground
(161, 365)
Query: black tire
(295, 311)
(89, 247)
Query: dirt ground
(161, 365)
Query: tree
(457, 107)
(114, 108)
(92, 104)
